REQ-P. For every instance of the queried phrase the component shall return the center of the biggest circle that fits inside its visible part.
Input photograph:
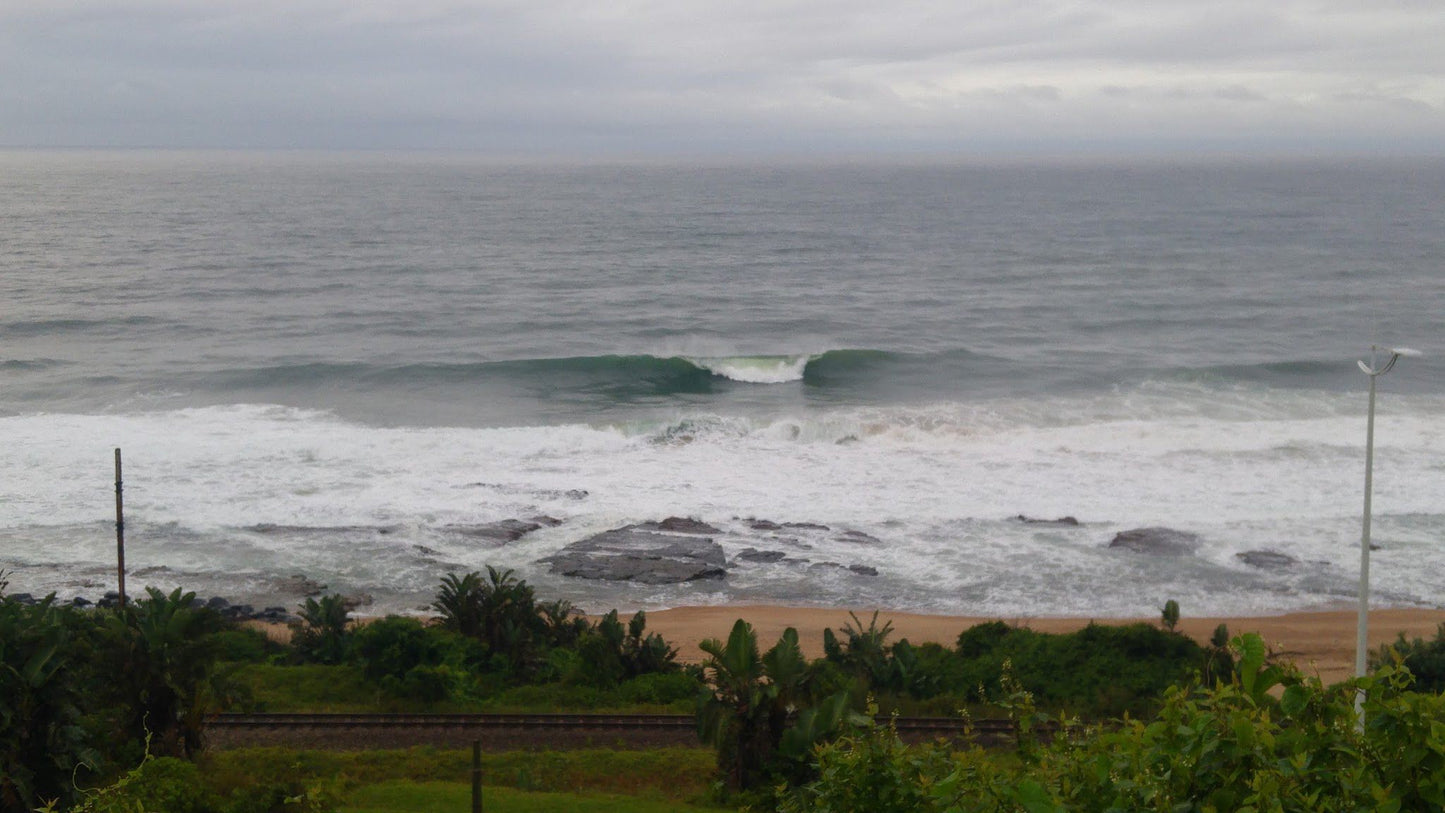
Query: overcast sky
(677, 77)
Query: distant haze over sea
(342, 365)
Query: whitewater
(865, 378)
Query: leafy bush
(1268, 739)
(158, 784)
(1424, 659)
(323, 635)
(660, 689)
(609, 653)
(245, 645)
(500, 611)
(42, 742)
(163, 651)
(1099, 671)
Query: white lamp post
(1362, 625)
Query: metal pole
(1363, 622)
(476, 776)
(119, 532)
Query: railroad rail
(519, 731)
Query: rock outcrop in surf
(1158, 541)
(644, 553)
(504, 531)
(1266, 559)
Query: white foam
(934, 483)
(756, 369)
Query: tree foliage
(323, 632)
(1268, 739)
(164, 653)
(42, 741)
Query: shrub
(158, 784)
(245, 645)
(163, 653)
(1268, 739)
(1424, 659)
(323, 634)
(41, 739)
(659, 689)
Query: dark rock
(546, 521)
(1266, 559)
(763, 525)
(679, 525)
(1065, 521)
(107, 602)
(275, 615)
(806, 526)
(217, 603)
(755, 555)
(424, 550)
(80, 601)
(859, 538)
(857, 570)
(358, 600)
(1158, 541)
(633, 553)
(508, 530)
(239, 612)
(22, 598)
(302, 585)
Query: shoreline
(1319, 642)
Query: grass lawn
(424, 797)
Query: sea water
(333, 365)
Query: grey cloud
(696, 74)
(1239, 93)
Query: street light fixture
(1362, 625)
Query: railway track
(517, 731)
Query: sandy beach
(1321, 643)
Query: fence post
(476, 776)
(119, 533)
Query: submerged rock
(859, 538)
(857, 570)
(300, 584)
(755, 555)
(1070, 522)
(679, 525)
(1266, 559)
(507, 530)
(636, 553)
(1158, 541)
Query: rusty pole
(119, 532)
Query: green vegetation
(101, 710)
(664, 773)
(410, 797)
(1268, 739)
(1424, 659)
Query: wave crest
(756, 369)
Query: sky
(742, 77)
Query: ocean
(338, 366)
